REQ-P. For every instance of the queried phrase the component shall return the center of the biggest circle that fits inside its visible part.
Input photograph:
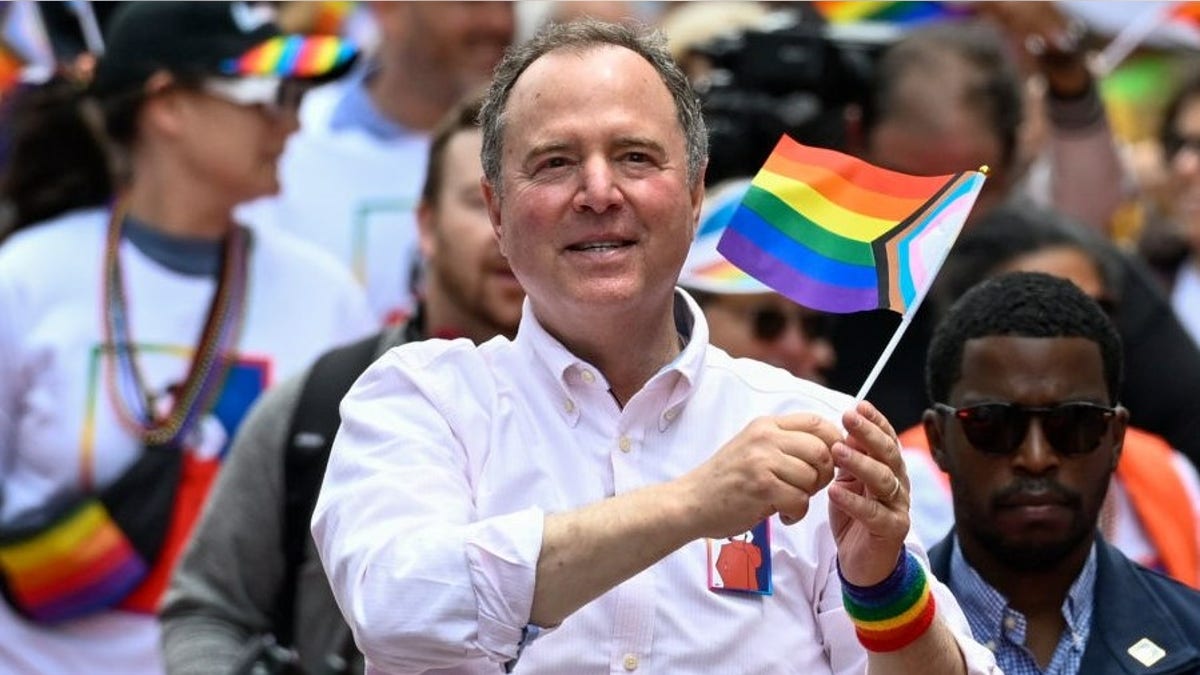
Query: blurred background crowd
(1087, 115)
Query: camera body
(795, 77)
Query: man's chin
(1033, 553)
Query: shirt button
(569, 405)
(625, 444)
(671, 414)
(631, 662)
(1010, 623)
(587, 376)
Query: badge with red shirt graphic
(742, 563)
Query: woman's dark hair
(56, 163)
(68, 149)
(1009, 231)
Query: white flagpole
(1132, 35)
(887, 351)
(911, 310)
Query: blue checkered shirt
(1002, 629)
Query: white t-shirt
(56, 411)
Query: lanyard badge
(742, 563)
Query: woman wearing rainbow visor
(139, 320)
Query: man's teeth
(599, 246)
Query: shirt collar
(681, 375)
(986, 609)
(356, 110)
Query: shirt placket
(634, 602)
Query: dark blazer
(1132, 602)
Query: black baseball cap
(230, 39)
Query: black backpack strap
(314, 424)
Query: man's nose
(1035, 455)
(598, 190)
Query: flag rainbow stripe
(837, 234)
(293, 56)
(909, 13)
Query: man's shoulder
(1182, 601)
(434, 359)
(1166, 620)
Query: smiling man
(577, 481)
(1024, 372)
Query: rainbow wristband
(894, 612)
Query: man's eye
(554, 163)
(637, 157)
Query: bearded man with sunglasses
(1024, 371)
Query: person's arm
(774, 465)
(224, 587)
(869, 515)
(1086, 177)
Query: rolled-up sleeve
(422, 582)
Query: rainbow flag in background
(837, 234)
(900, 13)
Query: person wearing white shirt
(549, 499)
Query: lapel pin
(1146, 652)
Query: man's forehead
(1019, 361)
(552, 63)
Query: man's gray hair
(580, 36)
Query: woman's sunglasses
(273, 95)
(999, 428)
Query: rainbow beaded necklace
(132, 399)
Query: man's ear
(1117, 428)
(932, 423)
(492, 199)
(697, 191)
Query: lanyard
(133, 401)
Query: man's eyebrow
(546, 148)
(624, 142)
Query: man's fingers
(874, 438)
(882, 482)
(798, 473)
(811, 423)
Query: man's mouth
(599, 246)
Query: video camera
(793, 76)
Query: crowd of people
(415, 352)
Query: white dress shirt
(430, 519)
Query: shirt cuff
(502, 555)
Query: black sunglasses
(999, 428)
(768, 323)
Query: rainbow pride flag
(911, 13)
(837, 234)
